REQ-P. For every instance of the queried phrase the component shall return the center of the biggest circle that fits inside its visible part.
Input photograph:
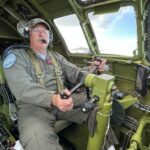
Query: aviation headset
(23, 28)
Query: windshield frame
(139, 51)
(107, 22)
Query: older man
(36, 76)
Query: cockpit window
(116, 32)
(72, 34)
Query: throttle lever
(94, 68)
(63, 95)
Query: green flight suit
(36, 115)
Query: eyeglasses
(39, 31)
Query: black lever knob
(63, 95)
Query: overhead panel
(48, 7)
(6, 31)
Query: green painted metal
(85, 24)
(40, 9)
(122, 67)
(2, 80)
(128, 101)
(96, 142)
(101, 86)
(136, 140)
(133, 146)
(89, 80)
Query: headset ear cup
(26, 32)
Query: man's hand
(63, 104)
(99, 64)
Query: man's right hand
(63, 104)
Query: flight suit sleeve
(71, 71)
(22, 85)
(86, 68)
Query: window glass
(116, 33)
(72, 34)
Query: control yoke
(81, 77)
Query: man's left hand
(99, 64)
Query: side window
(71, 31)
(116, 32)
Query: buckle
(40, 75)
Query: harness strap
(40, 74)
(36, 64)
(57, 72)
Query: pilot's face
(39, 37)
